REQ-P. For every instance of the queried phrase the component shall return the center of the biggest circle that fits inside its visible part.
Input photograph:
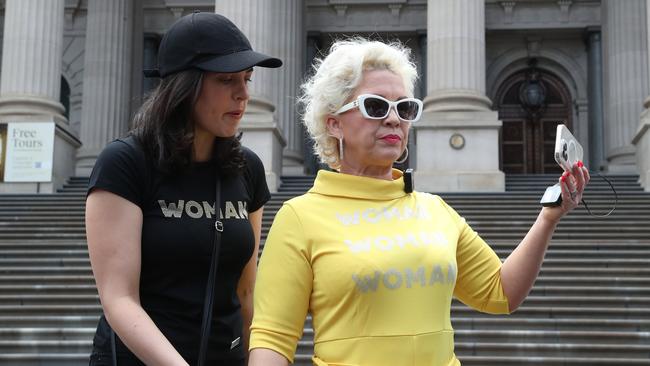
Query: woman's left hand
(573, 185)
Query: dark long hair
(164, 126)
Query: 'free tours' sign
(27, 151)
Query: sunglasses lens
(376, 108)
(408, 110)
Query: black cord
(208, 303)
(615, 198)
(113, 348)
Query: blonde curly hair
(337, 76)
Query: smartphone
(568, 150)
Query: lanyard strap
(615, 197)
(209, 291)
(209, 288)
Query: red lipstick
(392, 139)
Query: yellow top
(376, 268)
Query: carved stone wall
(553, 31)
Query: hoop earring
(402, 160)
(340, 149)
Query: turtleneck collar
(353, 186)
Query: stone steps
(550, 262)
(32, 358)
(612, 301)
(549, 291)
(68, 257)
(590, 304)
(26, 321)
(527, 311)
(550, 361)
(543, 280)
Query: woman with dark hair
(176, 200)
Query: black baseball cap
(208, 42)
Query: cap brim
(151, 73)
(239, 61)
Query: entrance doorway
(531, 104)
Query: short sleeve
(283, 286)
(257, 177)
(120, 169)
(478, 282)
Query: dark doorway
(64, 97)
(527, 137)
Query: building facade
(496, 78)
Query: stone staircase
(590, 305)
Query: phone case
(568, 150)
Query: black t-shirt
(177, 239)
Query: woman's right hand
(573, 184)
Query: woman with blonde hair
(375, 263)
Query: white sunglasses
(376, 107)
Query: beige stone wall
(551, 30)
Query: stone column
(595, 96)
(311, 161)
(150, 61)
(420, 92)
(422, 65)
(626, 73)
(31, 81)
(641, 138)
(456, 107)
(290, 48)
(263, 126)
(106, 105)
(136, 80)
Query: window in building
(65, 97)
